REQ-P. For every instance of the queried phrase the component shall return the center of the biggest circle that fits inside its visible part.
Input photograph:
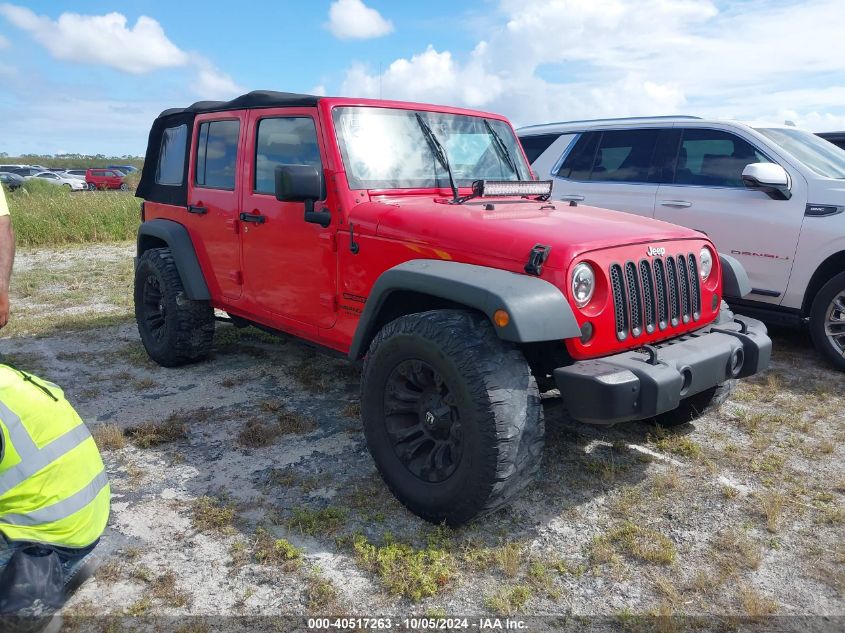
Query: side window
(284, 141)
(171, 157)
(217, 154)
(713, 158)
(624, 156)
(535, 145)
(579, 163)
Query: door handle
(574, 197)
(198, 209)
(257, 218)
(679, 204)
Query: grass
(164, 588)
(737, 551)
(772, 502)
(323, 522)
(404, 570)
(320, 593)
(172, 429)
(276, 551)
(510, 600)
(211, 514)
(71, 290)
(640, 543)
(109, 437)
(46, 215)
(256, 434)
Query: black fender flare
(179, 241)
(538, 309)
(735, 283)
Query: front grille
(656, 294)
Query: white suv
(772, 196)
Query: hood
(511, 227)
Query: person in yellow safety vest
(54, 493)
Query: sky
(90, 76)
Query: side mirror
(302, 183)
(769, 178)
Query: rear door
(213, 199)
(612, 169)
(290, 266)
(706, 193)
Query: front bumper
(642, 383)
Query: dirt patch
(251, 491)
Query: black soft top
(149, 189)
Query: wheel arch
(538, 310)
(161, 233)
(828, 269)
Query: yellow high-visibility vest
(53, 485)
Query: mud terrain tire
(174, 329)
(452, 415)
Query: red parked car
(105, 179)
(414, 237)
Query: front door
(289, 264)
(707, 194)
(611, 170)
(213, 202)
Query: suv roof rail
(614, 119)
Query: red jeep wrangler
(413, 237)
(105, 179)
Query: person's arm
(7, 257)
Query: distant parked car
(11, 168)
(126, 169)
(12, 181)
(72, 184)
(26, 172)
(105, 179)
(837, 138)
(78, 173)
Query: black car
(26, 172)
(12, 181)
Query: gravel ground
(242, 485)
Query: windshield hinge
(536, 258)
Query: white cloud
(4, 42)
(352, 19)
(212, 83)
(548, 60)
(100, 39)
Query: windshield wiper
(501, 149)
(441, 156)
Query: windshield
(384, 148)
(821, 156)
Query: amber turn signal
(501, 318)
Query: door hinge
(536, 258)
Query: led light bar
(488, 188)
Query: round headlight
(705, 257)
(583, 284)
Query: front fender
(538, 310)
(735, 283)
